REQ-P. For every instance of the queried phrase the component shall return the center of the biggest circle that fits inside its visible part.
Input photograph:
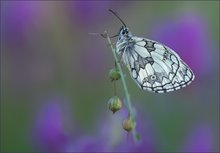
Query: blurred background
(55, 85)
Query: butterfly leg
(113, 44)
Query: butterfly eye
(124, 32)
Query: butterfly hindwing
(155, 67)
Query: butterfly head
(124, 33)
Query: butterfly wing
(155, 67)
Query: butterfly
(152, 65)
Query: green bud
(114, 104)
(129, 124)
(114, 74)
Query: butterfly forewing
(155, 67)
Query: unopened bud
(114, 74)
(114, 104)
(129, 124)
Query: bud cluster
(114, 104)
(114, 74)
(129, 124)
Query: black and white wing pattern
(155, 67)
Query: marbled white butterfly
(152, 65)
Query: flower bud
(114, 74)
(129, 124)
(114, 104)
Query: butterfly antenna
(116, 14)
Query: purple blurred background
(55, 85)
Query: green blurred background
(46, 52)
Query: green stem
(128, 99)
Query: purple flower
(199, 140)
(49, 130)
(145, 131)
(51, 135)
(188, 36)
(18, 18)
(121, 140)
(87, 144)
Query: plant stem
(115, 92)
(127, 95)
